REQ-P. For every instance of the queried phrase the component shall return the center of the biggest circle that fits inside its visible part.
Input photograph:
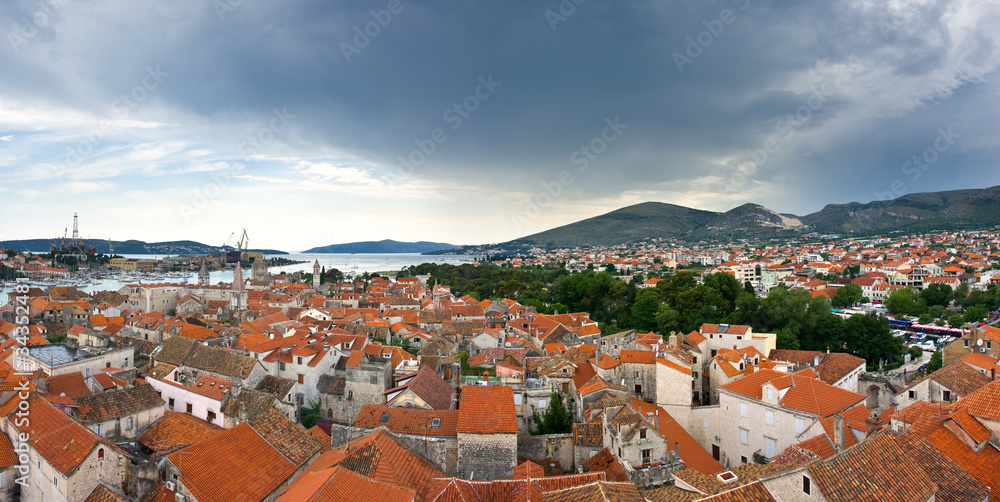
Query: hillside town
(431, 386)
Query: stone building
(121, 413)
(487, 432)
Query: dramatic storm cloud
(314, 122)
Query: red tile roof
(68, 384)
(62, 441)
(176, 430)
(408, 420)
(487, 410)
(804, 393)
(253, 468)
(379, 456)
(342, 484)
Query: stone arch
(874, 393)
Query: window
(770, 393)
(744, 436)
(637, 374)
(642, 433)
(128, 423)
(189, 408)
(694, 375)
(350, 395)
(55, 481)
(97, 429)
(645, 457)
(100, 454)
(913, 394)
(302, 378)
(384, 419)
(329, 413)
(743, 459)
(210, 417)
(300, 359)
(769, 447)
(107, 365)
(965, 343)
(638, 388)
(946, 395)
(435, 423)
(373, 379)
(704, 424)
(281, 365)
(800, 425)
(517, 399)
(743, 409)
(769, 417)
(542, 403)
(806, 485)
(170, 402)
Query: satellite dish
(979, 342)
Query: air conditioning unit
(170, 485)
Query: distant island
(383, 246)
(129, 247)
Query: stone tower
(259, 271)
(316, 275)
(238, 294)
(203, 277)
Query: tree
(644, 310)
(935, 362)
(310, 414)
(555, 420)
(847, 295)
(787, 340)
(904, 301)
(937, 294)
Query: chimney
(838, 433)
(677, 449)
(873, 424)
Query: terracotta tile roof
(836, 365)
(880, 468)
(819, 445)
(220, 361)
(983, 465)
(455, 489)
(979, 360)
(285, 436)
(487, 410)
(105, 493)
(253, 468)
(960, 378)
(321, 437)
(953, 482)
(7, 455)
(62, 441)
(118, 403)
(804, 394)
(729, 328)
(68, 384)
(159, 493)
(176, 430)
(408, 420)
(637, 356)
(922, 417)
(379, 456)
(983, 402)
(795, 454)
(745, 474)
(588, 434)
(278, 386)
(599, 491)
(694, 456)
(752, 492)
(606, 362)
(433, 389)
(604, 461)
(342, 484)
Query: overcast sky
(191, 119)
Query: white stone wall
(46, 483)
(673, 387)
(788, 487)
(200, 405)
(783, 430)
(118, 427)
(123, 358)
